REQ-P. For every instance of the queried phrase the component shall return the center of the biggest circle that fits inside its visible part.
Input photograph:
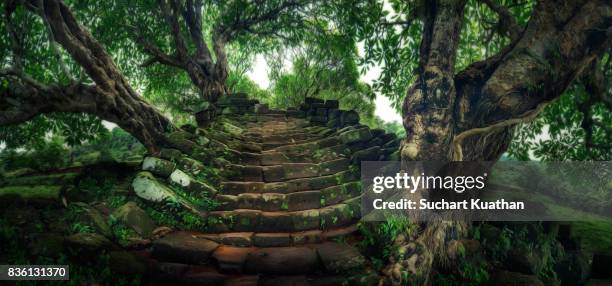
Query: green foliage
(378, 237)
(557, 134)
(41, 156)
(530, 239)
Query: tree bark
(111, 97)
(469, 116)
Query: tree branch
(560, 41)
(193, 18)
(507, 23)
(170, 12)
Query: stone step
(286, 171)
(189, 248)
(295, 201)
(276, 239)
(277, 158)
(290, 186)
(245, 220)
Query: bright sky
(259, 74)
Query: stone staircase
(289, 199)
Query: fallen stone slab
(158, 166)
(184, 247)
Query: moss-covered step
(243, 220)
(295, 201)
(290, 186)
(319, 155)
(247, 239)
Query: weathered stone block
(334, 166)
(271, 239)
(136, 218)
(304, 200)
(246, 220)
(273, 173)
(305, 220)
(180, 178)
(148, 188)
(158, 166)
(300, 170)
(183, 247)
(275, 221)
(357, 135)
(236, 238)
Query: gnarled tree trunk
(110, 98)
(469, 116)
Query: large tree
(105, 92)
(468, 113)
(195, 34)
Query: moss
(595, 236)
(41, 192)
(53, 179)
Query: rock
(506, 278)
(148, 188)
(183, 247)
(88, 243)
(126, 263)
(230, 258)
(161, 232)
(273, 173)
(305, 220)
(236, 238)
(310, 236)
(356, 135)
(136, 218)
(349, 118)
(170, 154)
(370, 154)
(275, 221)
(181, 179)
(158, 166)
(272, 239)
(300, 170)
(334, 166)
(304, 200)
(336, 215)
(340, 258)
(182, 140)
(281, 260)
(46, 244)
(190, 166)
(92, 216)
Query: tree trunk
(469, 116)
